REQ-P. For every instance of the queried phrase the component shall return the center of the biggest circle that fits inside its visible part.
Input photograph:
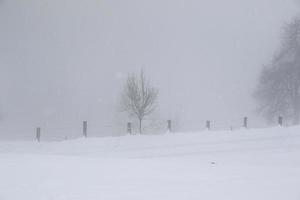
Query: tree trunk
(296, 117)
(140, 126)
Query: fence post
(129, 128)
(280, 121)
(38, 134)
(208, 124)
(84, 128)
(169, 125)
(245, 122)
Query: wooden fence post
(169, 126)
(280, 121)
(245, 122)
(84, 128)
(38, 134)
(208, 125)
(129, 128)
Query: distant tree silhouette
(139, 97)
(278, 91)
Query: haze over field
(149, 99)
(62, 62)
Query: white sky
(63, 61)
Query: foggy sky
(64, 61)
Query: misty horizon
(63, 62)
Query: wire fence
(93, 129)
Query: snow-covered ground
(239, 165)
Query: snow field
(246, 164)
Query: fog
(62, 62)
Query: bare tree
(278, 92)
(139, 97)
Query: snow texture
(245, 164)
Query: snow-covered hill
(246, 164)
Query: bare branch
(139, 97)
